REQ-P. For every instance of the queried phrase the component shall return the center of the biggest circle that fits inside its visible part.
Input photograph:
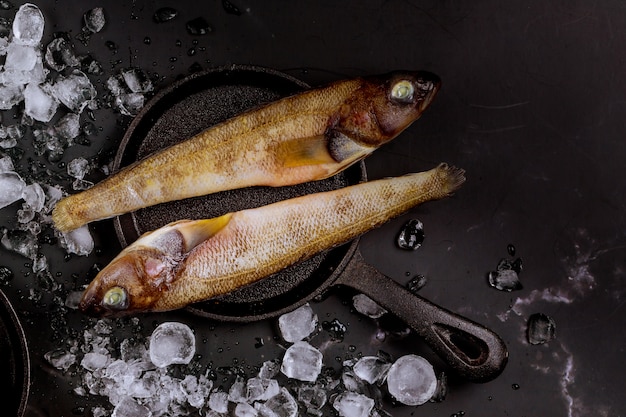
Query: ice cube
(6, 164)
(81, 185)
(75, 91)
(114, 84)
(11, 188)
(38, 103)
(68, 126)
(20, 57)
(411, 235)
(78, 241)
(505, 280)
(260, 389)
(10, 95)
(196, 390)
(129, 407)
(22, 242)
(129, 104)
(60, 359)
(302, 361)
(411, 380)
(298, 324)
(368, 307)
(281, 405)
(34, 196)
(72, 300)
(312, 396)
(218, 401)
(95, 360)
(245, 410)
(59, 55)
(236, 392)
(78, 167)
(53, 195)
(172, 343)
(352, 404)
(4, 44)
(40, 263)
(137, 80)
(269, 369)
(541, 329)
(371, 369)
(94, 19)
(28, 25)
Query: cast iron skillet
(204, 99)
(14, 361)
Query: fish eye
(403, 91)
(116, 297)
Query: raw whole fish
(193, 260)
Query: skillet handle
(471, 349)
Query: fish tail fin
(451, 177)
(64, 217)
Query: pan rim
(17, 336)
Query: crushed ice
(51, 84)
(156, 376)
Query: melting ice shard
(298, 324)
(302, 361)
(411, 235)
(541, 329)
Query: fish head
(132, 282)
(386, 105)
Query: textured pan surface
(190, 106)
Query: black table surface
(532, 106)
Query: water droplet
(416, 283)
(191, 51)
(164, 14)
(541, 329)
(173, 59)
(199, 26)
(510, 249)
(411, 235)
(515, 387)
(147, 40)
(179, 43)
(195, 67)
(111, 46)
(259, 342)
(230, 8)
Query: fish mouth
(90, 304)
(428, 84)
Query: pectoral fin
(195, 232)
(331, 148)
(344, 149)
(304, 151)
